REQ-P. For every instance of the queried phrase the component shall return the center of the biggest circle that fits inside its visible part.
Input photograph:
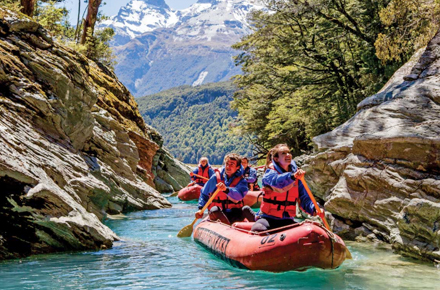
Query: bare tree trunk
(79, 22)
(92, 13)
(28, 7)
(79, 12)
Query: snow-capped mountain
(158, 48)
(141, 16)
(208, 19)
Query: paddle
(187, 230)
(199, 176)
(192, 183)
(318, 210)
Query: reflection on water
(152, 257)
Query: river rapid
(150, 256)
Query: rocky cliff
(379, 173)
(73, 147)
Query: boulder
(379, 172)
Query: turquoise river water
(150, 256)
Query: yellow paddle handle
(187, 230)
(317, 208)
(210, 200)
(199, 176)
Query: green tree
(409, 25)
(306, 67)
(11, 4)
(55, 19)
(97, 46)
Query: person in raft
(204, 169)
(282, 189)
(227, 206)
(250, 174)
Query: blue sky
(112, 7)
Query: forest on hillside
(195, 121)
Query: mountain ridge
(158, 48)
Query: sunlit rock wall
(73, 147)
(379, 173)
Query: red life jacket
(222, 200)
(204, 173)
(278, 201)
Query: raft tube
(295, 247)
(253, 198)
(190, 193)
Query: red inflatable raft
(252, 198)
(189, 193)
(295, 247)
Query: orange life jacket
(222, 200)
(204, 173)
(278, 201)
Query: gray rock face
(380, 171)
(73, 147)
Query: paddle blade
(348, 254)
(174, 193)
(186, 231)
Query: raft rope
(264, 233)
(333, 250)
(330, 234)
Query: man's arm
(207, 189)
(195, 171)
(238, 192)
